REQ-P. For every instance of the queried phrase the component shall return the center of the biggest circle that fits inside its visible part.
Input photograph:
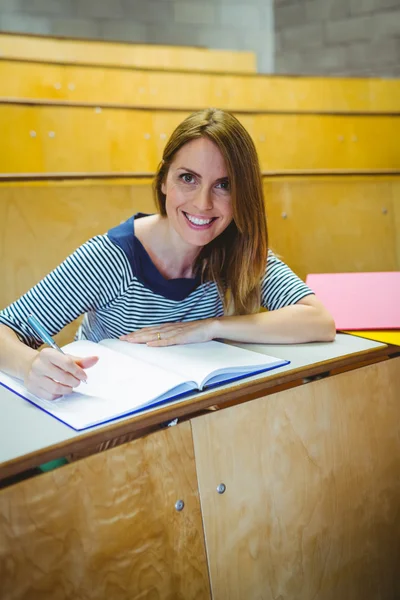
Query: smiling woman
(199, 269)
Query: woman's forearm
(15, 356)
(295, 324)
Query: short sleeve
(88, 279)
(280, 286)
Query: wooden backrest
(173, 89)
(53, 50)
(63, 139)
(315, 225)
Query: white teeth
(197, 221)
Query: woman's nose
(203, 200)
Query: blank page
(117, 385)
(196, 361)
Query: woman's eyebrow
(189, 171)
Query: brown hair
(236, 259)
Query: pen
(43, 333)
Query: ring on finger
(158, 336)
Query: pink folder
(360, 300)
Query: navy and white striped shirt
(113, 282)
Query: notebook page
(117, 385)
(195, 362)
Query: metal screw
(52, 134)
(147, 136)
(71, 86)
(179, 505)
(384, 211)
(284, 215)
(57, 86)
(97, 110)
(221, 488)
(262, 138)
(32, 134)
(354, 138)
(341, 138)
(163, 136)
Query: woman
(198, 270)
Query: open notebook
(132, 377)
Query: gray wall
(230, 24)
(348, 37)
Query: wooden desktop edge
(243, 391)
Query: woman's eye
(187, 178)
(224, 185)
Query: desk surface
(29, 436)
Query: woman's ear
(164, 188)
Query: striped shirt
(112, 281)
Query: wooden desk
(30, 437)
(310, 508)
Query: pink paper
(360, 300)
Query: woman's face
(197, 190)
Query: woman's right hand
(52, 374)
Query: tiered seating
(328, 150)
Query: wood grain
(335, 225)
(106, 527)
(319, 225)
(312, 475)
(41, 224)
(195, 90)
(103, 54)
(74, 139)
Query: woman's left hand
(170, 334)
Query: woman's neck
(173, 258)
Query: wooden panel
(132, 55)
(312, 481)
(41, 224)
(106, 527)
(195, 90)
(114, 140)
(334, 225)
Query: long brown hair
(236, 259)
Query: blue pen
(42, 333)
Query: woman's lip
(196, 225)
(194, 216)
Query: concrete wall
(230, 24)
(349, 37)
